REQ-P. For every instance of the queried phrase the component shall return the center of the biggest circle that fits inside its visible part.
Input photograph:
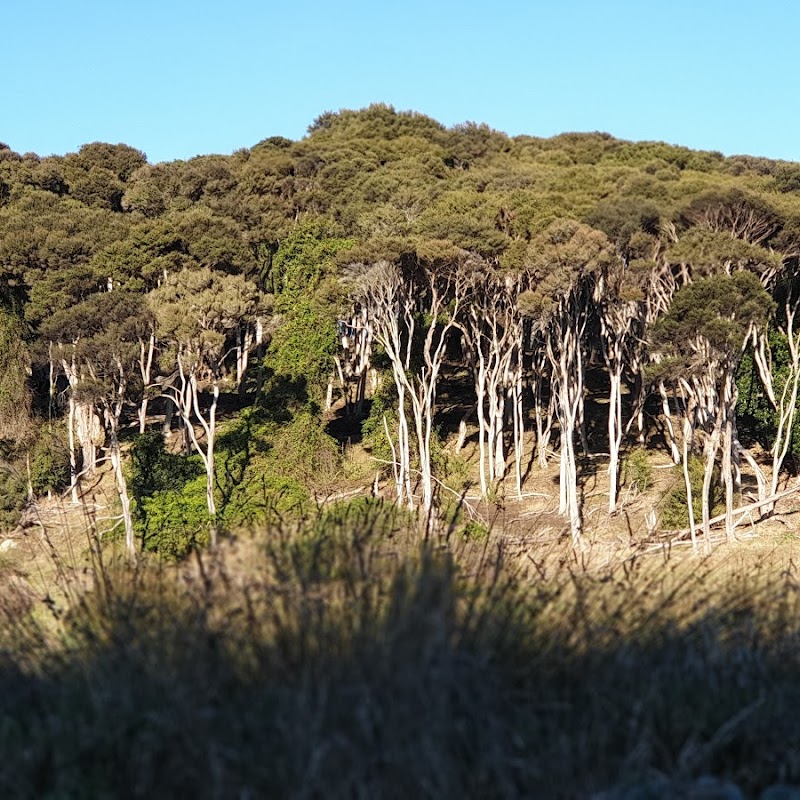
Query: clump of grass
(396, 670)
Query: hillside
(427, 461)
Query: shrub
(169, 497)
(637, 470)
(12, 496)
(172, 522)
(674, 506)
(49, 460)
(475, 531)
(303, 451)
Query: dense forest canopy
(360, 268)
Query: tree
(15, 366)
(414, 306)
(492, 330)
(561, 261)
(98, 342)
(703, 335)
(197, 313)
(619, 303)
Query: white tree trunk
(614, 435)
(687, 435)
(673, 445)
(145, 368)
(73, 456)
(122, 490)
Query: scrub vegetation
(400, 460)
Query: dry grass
(345, 658)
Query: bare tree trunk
(614, 435)
(673, 445)
(728, 408)
(145, 368)
(73, 457)
(544, 420)
(398, 481)
(711, 449)
(462, 431)
(404, 447)
(122, 490)
(687, 435)
(519, 429)
(169, 412)
(482, 433)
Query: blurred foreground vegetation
(345, 658)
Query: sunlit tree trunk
(186, 397)
(146, 353)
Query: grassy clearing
(347, 659)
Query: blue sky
(178, 78)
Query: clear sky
(177, 78)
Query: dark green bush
(13, 495)
(674, 506)
(49, 460)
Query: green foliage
(307, 306)
(196, 312)
(305, 452)
(719, 310)
(263, 471)
(256, 482)
(169, 499)
(154, 469)
(49, 459)
(15, 396)
(474, 531)
(753, 404)
(674, 505)
(557, 259)
(621, 218)
(304, 258)
(173, 522)
(262, 495)
(303, 347)
(637, 471)
(13, 495)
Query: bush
(13, 495)
(303, 451)
(169, 497)
(49, 459)
(153, 469)
(475, 531)
(260, 496)
(173, 522)
(674, 506)
(637, 470)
